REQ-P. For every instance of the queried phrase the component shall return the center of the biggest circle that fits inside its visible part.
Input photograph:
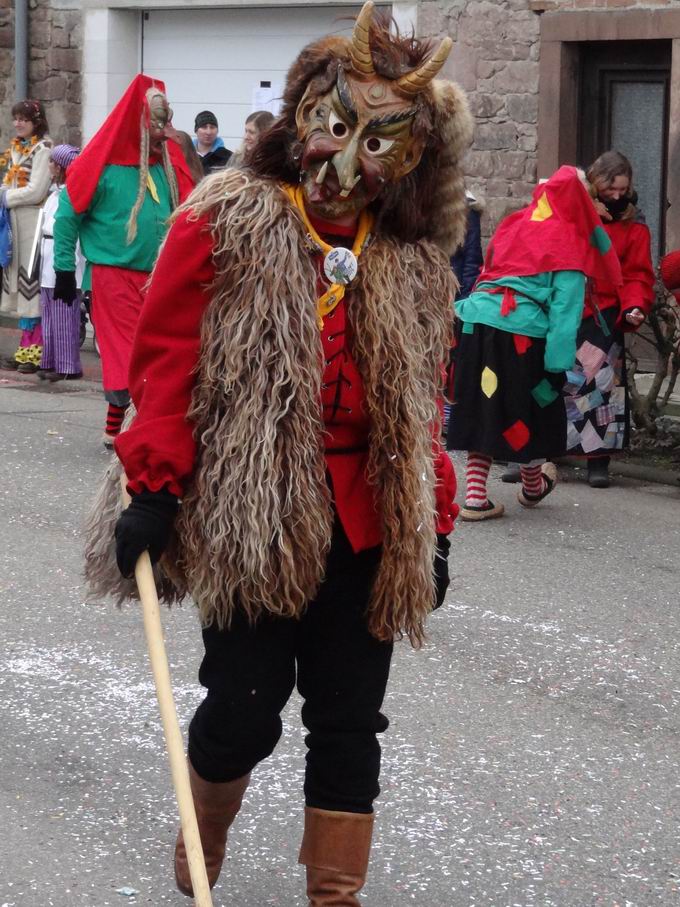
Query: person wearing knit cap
(60, 358)
(209, 146)
(119, 195)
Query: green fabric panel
(544, 393)
(102, 229)
(535, 296)
(468, 327)
(600, 239)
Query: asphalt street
(533, 753)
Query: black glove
(65, 287)
(441, 568)
(145, 525)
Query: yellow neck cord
(336, 291)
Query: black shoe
(598, 472)
(44, 373)
(64, 376)
(28, 368)
(512, 475)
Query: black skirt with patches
(505, 404)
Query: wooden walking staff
(173, 735)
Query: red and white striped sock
(476, 475)
(114, 419)
(533, 482)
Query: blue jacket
(468, 259)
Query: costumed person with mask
(119, 195)
(287, 373)
(597, 392)
(517, 337)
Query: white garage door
(216, 59)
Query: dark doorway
(624, 95)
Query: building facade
(549, 81)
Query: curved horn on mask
(360, 48)
(415, 82)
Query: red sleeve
(444, 490)
(638, 274)
(158, 450)
(445, 483)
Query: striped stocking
(114, 419)
(533, 482)
(476, 475)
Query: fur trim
(402, 328)
(454, 127)
(259, 505)
(255, 525)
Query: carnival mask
(160, 113)
(359, 137)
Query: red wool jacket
(159, 449)
(631, 242)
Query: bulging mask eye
(375, 145)
(336, 126)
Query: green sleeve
(565, 311)
(66, 228)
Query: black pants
(342, 673)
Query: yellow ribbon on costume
(336, 291)
(151, 186)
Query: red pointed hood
(118, 141)
(559, 231)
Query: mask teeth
(346, 192)
(321, 176)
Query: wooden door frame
(561, 33)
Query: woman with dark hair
(25, 185)
(195, 163)
(596, 391)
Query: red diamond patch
(517, 435)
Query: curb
(653, 474)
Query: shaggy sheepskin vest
(255, 523)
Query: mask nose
(346, 163)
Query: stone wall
(496, 60)
(55, 41)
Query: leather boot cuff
(337, 840)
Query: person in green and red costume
(518, 337)
(119, 195)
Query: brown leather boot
(335, 850)
(216, 808)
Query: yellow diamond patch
(489, 382)
(543, 210)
